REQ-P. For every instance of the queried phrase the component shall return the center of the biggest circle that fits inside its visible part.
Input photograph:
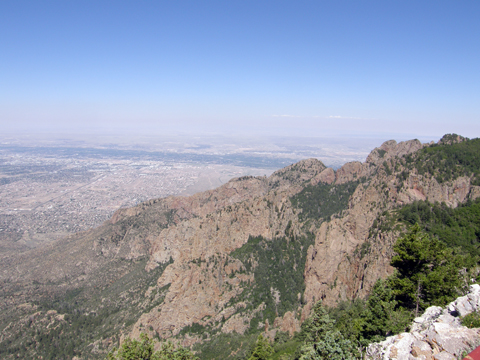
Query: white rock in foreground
(437, 334)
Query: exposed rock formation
(437, 334)
(334, 270)
(390, 149)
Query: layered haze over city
(106, 104)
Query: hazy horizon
(376, 69)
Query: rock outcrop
(390, 149)
(437, 334)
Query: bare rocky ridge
(333, 258)
(194, 238)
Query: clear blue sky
(285, 67)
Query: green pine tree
(317, 324)
(262, 350)
(322, 341)
(134, 350)
(427, 272)
(381, 317)
(333, 346)
(144, 350)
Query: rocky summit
(213, 270)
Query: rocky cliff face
(336, 258)
(219, 261)
(204, 291)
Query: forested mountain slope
(215, 269)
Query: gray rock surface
(437, 334)
(466, 304)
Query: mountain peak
(450, 139)
(391, 148)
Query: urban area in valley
(51, 188)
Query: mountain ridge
(188, 250)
